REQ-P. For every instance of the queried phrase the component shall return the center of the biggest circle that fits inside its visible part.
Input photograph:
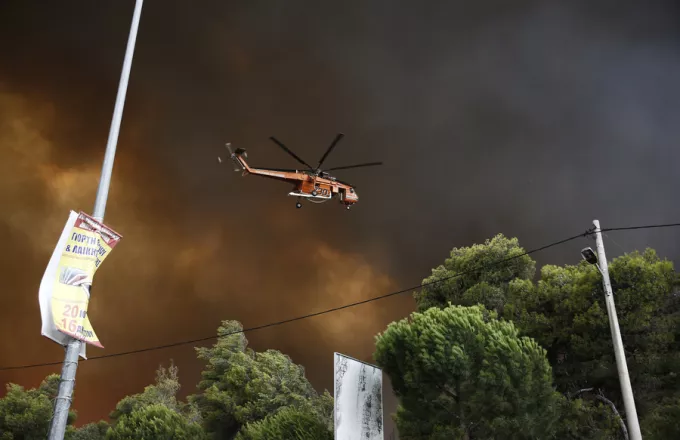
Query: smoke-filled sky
(529, 118)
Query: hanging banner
(65, 288)
(358, 400)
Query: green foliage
(289, 423)
(488, 287)
(163, 391)
(568, 316)
(662, 422)
(155, 422)
(461, 373)
(587, 419)
(26, 415)
(571, 299)
(91, 431)
(254, 395)
(565, 313)
(240, 386)
(156, 413)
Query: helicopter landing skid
(310, 197)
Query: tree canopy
(240, 386)
(489, 286)
(288, 423)
(90, 431)
(26, 414)
(244, 393)
(461, 373)
(155, 421)
(163, 391)
(565, 312)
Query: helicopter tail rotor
(233, 156)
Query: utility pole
(621, 366)
(68, 372)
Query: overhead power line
(346, 306)
(630, 228)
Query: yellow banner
(84, 245)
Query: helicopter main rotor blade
(335, 141)
(370, 164)
(280, 144)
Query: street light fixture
(589, 255)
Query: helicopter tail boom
(239, 156)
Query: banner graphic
(65, 288)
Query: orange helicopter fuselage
(306, 184)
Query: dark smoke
(528, 118)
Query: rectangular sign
(65, 287)
(358, 410)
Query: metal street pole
(621, 366)
(68, 372)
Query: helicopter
(312, 184)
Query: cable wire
(346, 306)
(630, 228)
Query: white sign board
(358, 407)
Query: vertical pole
(107, 166)
(621, 366)
(68, 372)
